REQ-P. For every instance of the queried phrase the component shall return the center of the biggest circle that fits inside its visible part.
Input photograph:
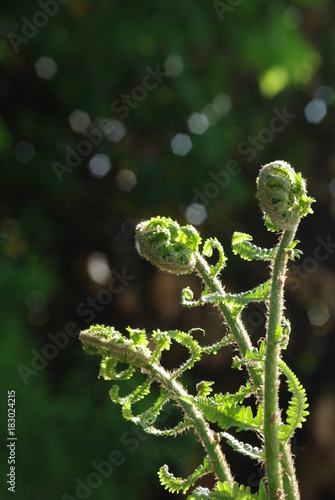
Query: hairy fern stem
(272, 417)
(235, 324)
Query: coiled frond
(282, 196)
(168, 246)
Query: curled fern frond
(176, 484)
(297, 409)
(209, 246)
(191, 344)
(167, 245)
(241, 246)
(282, 196)
(109, 343)
(187, 298)
(108, 370)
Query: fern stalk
(235, 324)
(272, 418)
(201, 427)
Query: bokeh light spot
(126, 180)
(79, 120)
(318, 314)
(181, 144)
(173, 65)
(99, 165)
(197, 123)
(212, 114)
(196, 214)
(98, 268)
(315, 111)
(223, 102)
(114, 130)
(45, 67)
(274, 81)
(24, 151)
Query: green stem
(201, 427)
(290, 483)
(271, 412)
(235, 324)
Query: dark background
(66, 233)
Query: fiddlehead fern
(282, 196)
(168, 246)
(175, 249)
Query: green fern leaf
(258, 294)
(139, 337)
(204, 388)
(235, 301)
(200, 493)
(214, 348)
(241, 246)
(244, 448)
(191, 344)
(297, 409)
(181, 427)
(176, 484)
(223, 491)
(108, 370)
(293, 252)
(224, 411)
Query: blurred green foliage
(239, 67)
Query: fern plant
(284, 201)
